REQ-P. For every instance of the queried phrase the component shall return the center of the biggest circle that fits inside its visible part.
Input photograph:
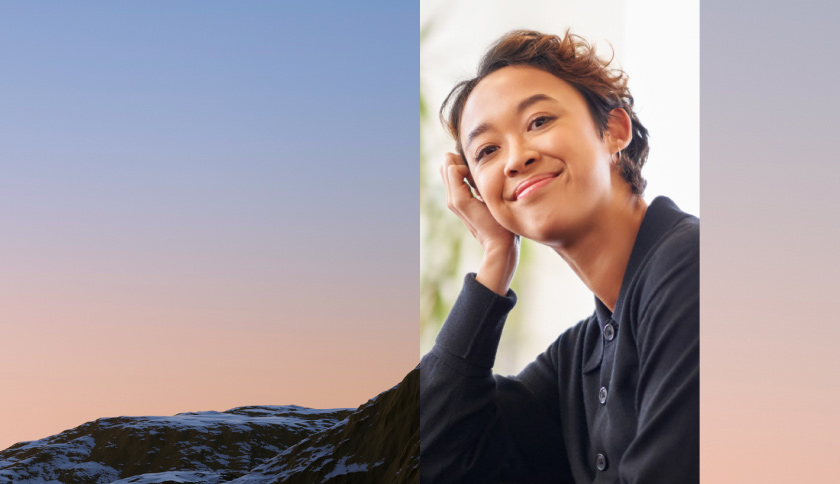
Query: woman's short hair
(573, 60)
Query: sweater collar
(660, 216)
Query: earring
(617, 157)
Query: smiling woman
(539, 134)
(551, 149)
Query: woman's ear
(619, 130)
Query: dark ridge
(378, 442)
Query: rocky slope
(378, 442)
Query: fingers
(453, 159)
(457, 159)
(472, 211)
(454, 171)
(459, 197)
(458, 193)
(448, 160)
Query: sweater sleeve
(476, 427)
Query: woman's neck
(599, 257)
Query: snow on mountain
(378, 442)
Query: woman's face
(536, 156)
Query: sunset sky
(204, 205)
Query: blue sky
(240, 115)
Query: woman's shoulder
(670, 266)
(678, 240)
(681, 240)
(666, 287)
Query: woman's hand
(501, 246)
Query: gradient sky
(770, 171)
(204, 205)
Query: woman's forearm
(475, 427)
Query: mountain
(376, 443)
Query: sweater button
(609, 332)
(602, 395)
(601, 462)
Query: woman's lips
(531, 185)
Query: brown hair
(573, 60)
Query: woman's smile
(529, 186)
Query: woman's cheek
(504, 217)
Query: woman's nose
(521, 156)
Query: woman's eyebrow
(526, 103)
(481, 128)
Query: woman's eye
(539, 122)
(485, 151)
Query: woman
(552, 150)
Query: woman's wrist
(498, 266)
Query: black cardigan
(614, 399)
